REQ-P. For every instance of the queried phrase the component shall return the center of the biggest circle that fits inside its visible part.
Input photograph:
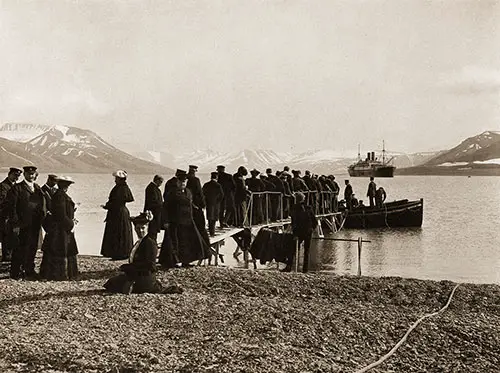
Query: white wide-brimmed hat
(120, 173)
(66, 179)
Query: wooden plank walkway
(223, 233)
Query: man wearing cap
(240, 196)
(26, 211)
(5, 231)
(348, 193)
(336, 191)
(372, 190)
(194, 185)
(298, 185)
(275, 198)
(226, 181)
(50, 188)
(213, 196)
(256, 185)
(154, 202)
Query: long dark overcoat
(60, 248)
(118, 240)
(214, 196)
(154, 203)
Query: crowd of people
(27, 210)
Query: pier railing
(268, 207)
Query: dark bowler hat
(255, 172)
(214, 175)
(29, 168)
(52, 176)
(269, 171)
(221, 167)
(193, 167)
(308, 172)
(15, 170)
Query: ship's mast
(383, 151)
(359, 153)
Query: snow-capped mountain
(480, 148)
(22, 132)
(71, 149)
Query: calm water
(459, 239)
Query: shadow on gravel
(97, 275)
(39, 297)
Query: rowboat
(401, 213)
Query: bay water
(459, 239)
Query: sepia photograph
(296, 186)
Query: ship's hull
(381, 171)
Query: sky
(286, 75)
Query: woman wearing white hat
(118, 240)
(59, 255)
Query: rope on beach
(415, 324)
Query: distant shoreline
(476, 170)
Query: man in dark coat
(214, 195)
(287, 193)
(336, 192)
(187, 245)
(372, 190)
(50, 188)
(255, 185)
(194, 185)
(312, 185)
(26, 211)
(240, 196)
(275, 198)
(227, 208)
(298, 184)
(154, 203)
(303, 224)
(5, 231)
(380, 197)
(267, 198)
(348, 193)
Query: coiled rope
(402, 340)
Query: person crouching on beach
(139, 274)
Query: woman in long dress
(59, 261)
(118, 240)
(139, 275)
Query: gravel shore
(232, 320)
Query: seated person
(139, 274)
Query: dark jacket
(303, 220)
(154, 203)
(278, 183)
(48, 193)
(62, 242)
(25, 207)
(214, 195)
(194, 185)
(240, 193)
(179, 207)
(348, 192)
(298, 185)
(372, 189)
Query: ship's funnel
(373, 156)
(368, 155)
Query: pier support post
(360, 244)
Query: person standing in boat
(372, 190)
(214, 196)
(5, 228)
(348, 193)
(60, 250)
(118, 240)
(380, 197)
(154, 202)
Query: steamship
(372, 166)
